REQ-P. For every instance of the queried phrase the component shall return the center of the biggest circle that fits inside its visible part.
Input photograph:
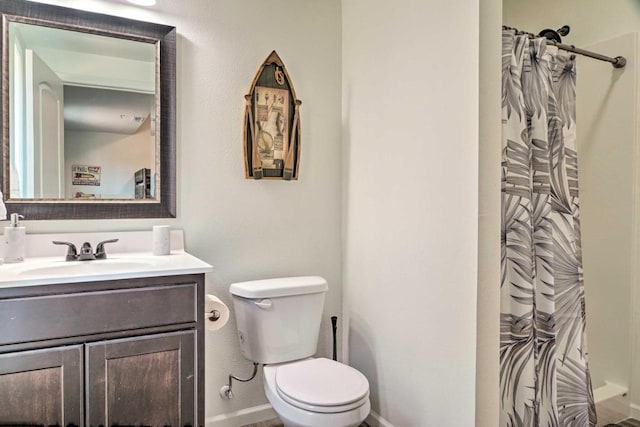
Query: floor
(270, 423)
(277, 423)
(629, 423)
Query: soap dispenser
(14, 240)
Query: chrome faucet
(86, 252)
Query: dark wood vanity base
(126, 352)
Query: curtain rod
(617, 62)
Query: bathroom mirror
(88, 103)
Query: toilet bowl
(317, 393)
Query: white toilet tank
(278, 320)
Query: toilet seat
(321, 385)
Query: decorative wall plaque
(272, 124)
(85, 175)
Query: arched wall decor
(272, 124)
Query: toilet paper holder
(212, 315)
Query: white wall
(489, 217)
(607, 124)
(410, 136)
(591, 21)
(247, 229)
(119, 156)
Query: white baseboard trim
(375, 420)
(265, 412)
(609, 391)
(242, 417)
(635, 411)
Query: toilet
(278, 322)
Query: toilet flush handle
(264, 303)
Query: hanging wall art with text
(272, 124)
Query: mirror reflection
(82, 115)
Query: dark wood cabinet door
(42, 387)
(142, 381)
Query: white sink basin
(115, 265)
(129, 258)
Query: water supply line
(226, 392)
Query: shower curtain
(544, 377)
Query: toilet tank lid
(281, 287)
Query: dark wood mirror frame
(164, 37)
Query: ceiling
(39, 37)
(105, 110)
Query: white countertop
(130, 259)
(55, 270)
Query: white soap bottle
(14, 240)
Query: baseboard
(265, 412)
(608, 391)
(242, 417)
(375, 420)
(635, 411)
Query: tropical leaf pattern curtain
(544, 377)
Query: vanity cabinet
(143, 381)
(41, 387)
(124, 352)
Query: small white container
(161, 240)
